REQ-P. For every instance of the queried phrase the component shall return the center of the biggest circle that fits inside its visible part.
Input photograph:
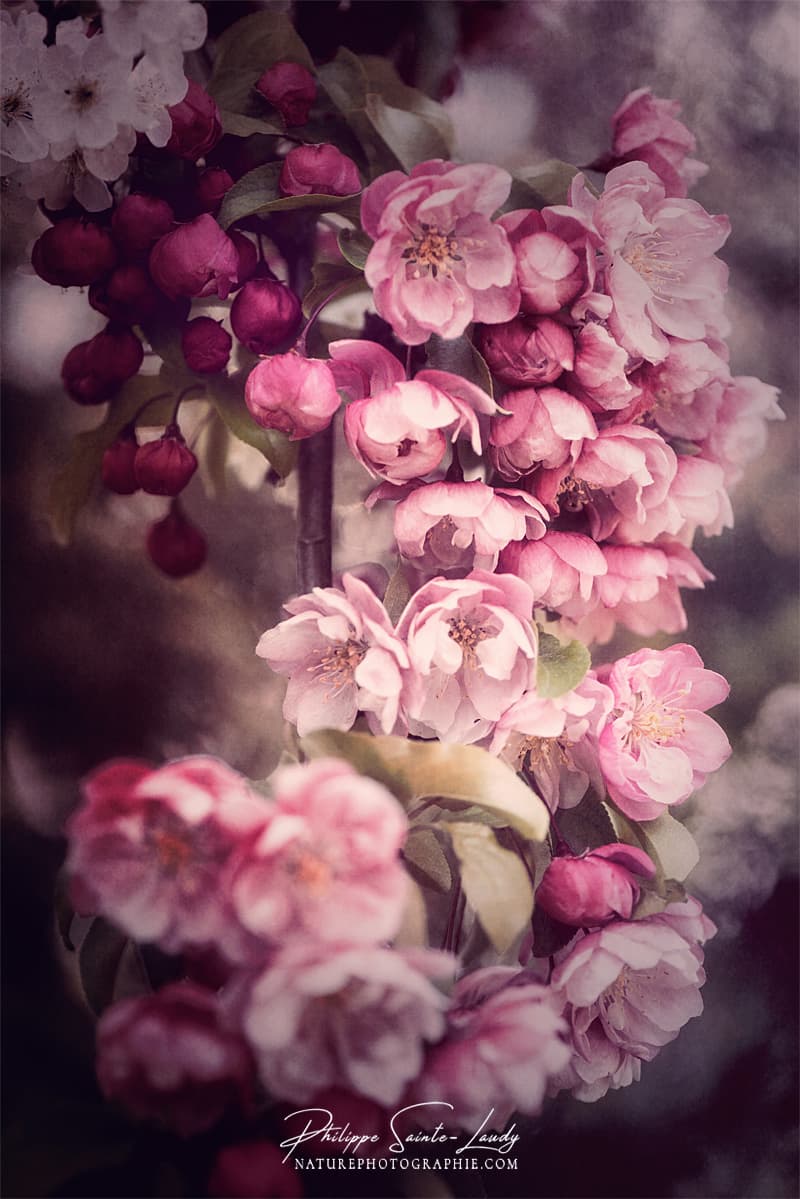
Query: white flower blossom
(85, 95)
(21, 71)
(152, 91)
(162, 29)
(71, 170)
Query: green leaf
(397, 594)
(212, 451)
(671, 846)
(246, 49)
(652, 901)
(240, 125)
(460, 357)
(227, 396)
(426, 860)
(549, 935)
(258, 193)
(559, 667)
(98, 959)
(413, 930)
(355, 247)
(330, 277)
(586, 826)
(542, 185)
(420, 769)
(495, 883)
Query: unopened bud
(595, 888)
(206, 345)
(247, 255)
(128, 295)
(550, 274)
(93, 370)
(196, 259)
(318, 170)
(117, 471)
(296, 395)
(137, 224)
(165, 466)
(527, 350)
(196, 125)
(74, 253)
(265, 314)
(291, 89)
(176, 546)
(211, 188)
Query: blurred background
(104, 656)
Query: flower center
(337, 666)
(540, 751)
(16, 105)
(431, 251)
(311, 871)
(573, 494)
(650, 258)
(468, 636)
(83, 95)
(172, 850)
(655, 721)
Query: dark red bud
(247, 255)
(211, 188)
(196, 125)
(265, 314)
(165, 466)
(128, 295)
(318, 170)
(74, 253)
(291, 89)
(117, 470)
(206, 345)
(138, 222)
(93, 370)
(176, 546)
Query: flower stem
(315, 500)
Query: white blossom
(162, 29)
(71, 170)
(85, 95)
(152, 90)
(22, 58)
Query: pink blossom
(647, 129)
(167, 1058)
(473, 651)
(439, 262)
(341, 655)
(659, 744)
(628, 989)
(501, 1047)
(326, 865)
(739, 434)
(347, 1016)
(196, 259)
(457, 527)
(318, 170)
(402, 433)
(595, 887)
(555, 261)
(527, 350)
(291, 393)
(147, 849)
(558, 568)
(364, 368)
(698, 490)
(600, 366)
(682, 393)
(544, 427)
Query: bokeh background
(104, 656)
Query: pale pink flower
(682, 393)
(698, 490)
(595, 887)
(326, 865)
(168, 1059)
(148, 848)
(457, 527)
(544, 426)
(439, 262)
(291, 393)
(364, 368)
(647, 129)
(558, 568)
(347, 1016)
(600, 366)
(503, 1043)
(659, 744)
(550, 273)
(341, 656)
(528, 350)
(628, 989)
(402, 433)
(473, 650)
(739, 433)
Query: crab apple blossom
(296, 395)
(75, 171)
(74, 253)
(23, 64)
(658, 744)
(541, 427)
(364, 368)
(165, 466)
(94, 370)
(326, 866)
(473, 652)
(318, 170)
(127, 296)
(698, 491)
(341, 1015)
(596, 887)
(739, 433)
(439, 262)
(341, 655)
(84, 91)
(175, 545)
(117, 468)
(212, 186)
(527, 351)
(195, 259)
(549, 272)
(680, 394)
(168, 1059)
(253, 1170)
(156, 28)
(148, 848)
(265, 314)
(646, 129)
(457, 527)
(196, 124)
(502, 1045)
(558, 568)
(291, 89)
(152, 89)
(627, 990)
(206, 346)
(138, 222)
(600, 369)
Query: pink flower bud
(253, 1170)
(318, 170)
(647, 129)
(296, 395)
(117, 470)
(128, 295)
(165, 466)
(211, 188)
(291, 89)
(247, 255)
(74, 253)
(550, 274)
(526, 351)
(206, 345)
(138, 222)
(265, 314)
(196, 127)
(595, 888)
(196, 259)
(93, 370)
(176, 546)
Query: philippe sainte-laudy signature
(320, 1127)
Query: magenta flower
(168, 1059)
(596, 887)
(318, 170)
(628, 989)
(326, 864)
(341, 656)
(647, 129)
(473, 650)
(195, 259)
(291, 393)
(443, 528)
(439, 262)
(347, 1016)
(544, 427)
(147, 849)
(501, 1047)
(659, 744)
(364, 368)
(559, 568)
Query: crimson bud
(93, 370)
(318, 170)
(196, 259)
(196, 125)
(526, 351)
(291, 89)
(128, 295)
(597, 887)
(74, 253)
(206, 345)
(138, 222)
(117, 470)
(211, 188)
(165, 466)
(265, 314)
(247, 255)
(176, 546)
